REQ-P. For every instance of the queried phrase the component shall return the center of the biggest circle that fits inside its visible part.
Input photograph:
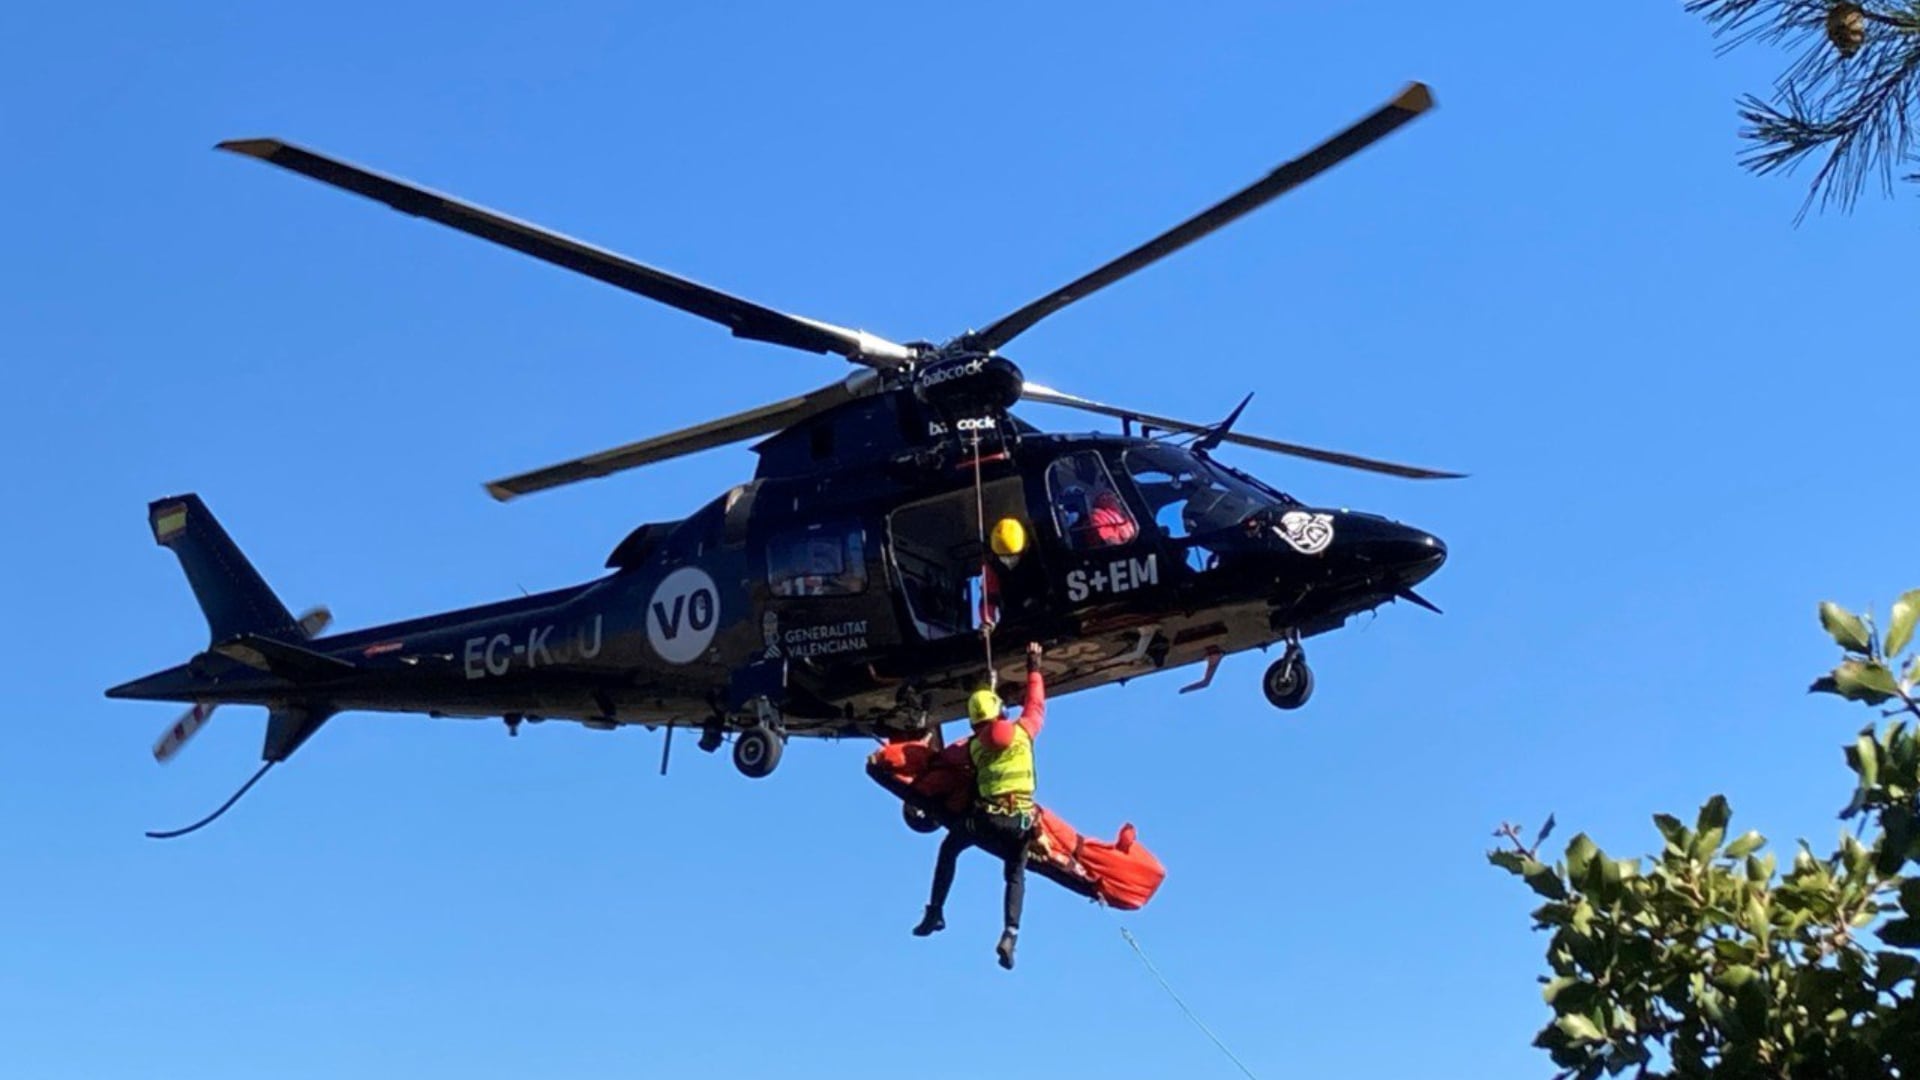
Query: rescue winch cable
(980, 519)
(224, 807)
(1177, 1000)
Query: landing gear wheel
(1288, 682)
(757, 751)
(918, 820)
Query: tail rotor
(174, 738)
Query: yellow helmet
(983, 706)
(1009, 538)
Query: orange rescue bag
(1121, 874)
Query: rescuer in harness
(1001, 819)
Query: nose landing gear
(1288, 682)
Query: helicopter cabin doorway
(938, 555)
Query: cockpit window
(1189, 496)
(1087, 510)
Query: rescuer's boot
(1008, 938)
(931, 923)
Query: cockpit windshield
(1188, 495)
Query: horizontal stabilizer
(285, 659)
(312, 624)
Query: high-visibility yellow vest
(1004, 774)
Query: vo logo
(682, 615)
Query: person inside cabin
(1093, 513)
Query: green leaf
(1710, 1002)
(1736, 976)
(1750, 1004)
(1866, 754)
(1568, 994)
(1670, 827)
(1900, 622)
(1582, 920)
(1707, 843)
(1893, 967)
(1912, 676)
(1902, 933)
(1580, 852)
(1554, 987)
(1738, 952)
(1910, 896)
(1844, 625)
(1757, 922)
(1543, 880)
(1746, 844)
(1511, 861)
(1854, 856)
(1860, 680)
(1714, 814)
(1891, 851)
(1615, 871)
(1579, 1028)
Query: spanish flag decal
(169, 522)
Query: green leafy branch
(1707, 960)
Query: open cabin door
(937, 556)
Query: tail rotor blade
(313, 623)
(176, 736)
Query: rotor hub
(968, 383)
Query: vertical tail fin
(232, 595)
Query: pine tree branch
(1859, 106)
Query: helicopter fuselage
(851, 593)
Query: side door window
(822, 560)
(1087, 510)
(819, 603)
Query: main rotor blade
(1411, 102)
(745, 318)
(726, 429)
(1049, 396)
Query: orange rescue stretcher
(1122, 874)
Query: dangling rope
(224, 807)
(1164, 985)
(986, 571)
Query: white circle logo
(1306, 533)
(683, 614)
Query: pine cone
(1846, 28)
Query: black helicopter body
(852, 588)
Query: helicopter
(899, 520)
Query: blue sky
(1684, 419)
